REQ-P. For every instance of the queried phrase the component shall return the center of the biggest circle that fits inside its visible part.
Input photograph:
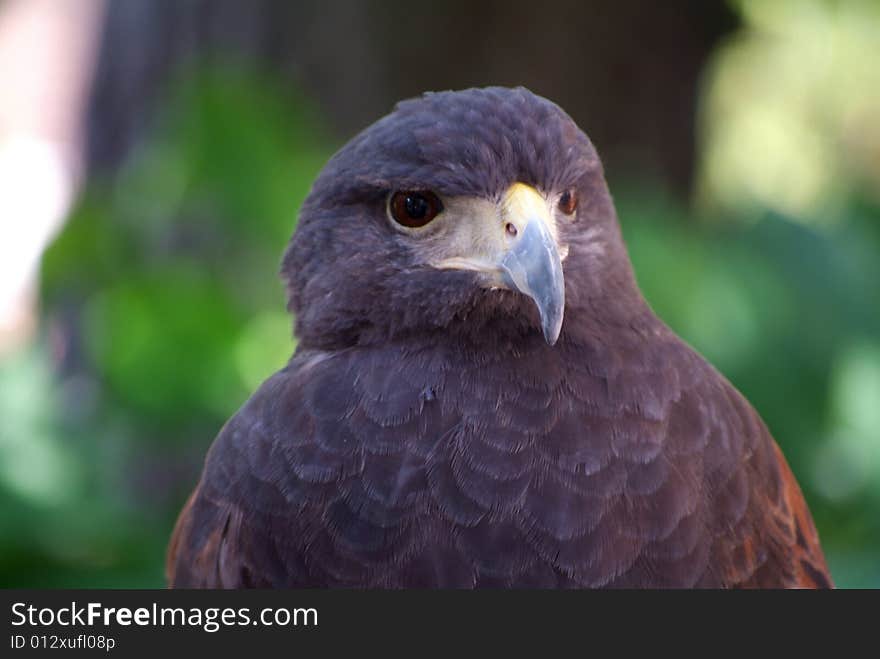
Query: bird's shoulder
(324, 452)
(747, 508)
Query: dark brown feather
(425, 434)
(336, 475)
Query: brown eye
(414, 209)
(568, 202)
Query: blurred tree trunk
(626, 71)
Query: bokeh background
(153, 155)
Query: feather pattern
(345, 473)
(425, 434)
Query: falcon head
(458, 212)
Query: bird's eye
(568, 202)
(414, 209)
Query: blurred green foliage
(164, 309)
(791, 109)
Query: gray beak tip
(551, 312)
(551, 333)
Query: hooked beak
(532, 264)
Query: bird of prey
(480, 396)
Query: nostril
(511, 230)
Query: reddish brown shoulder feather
(200, 557)
(810, 568)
